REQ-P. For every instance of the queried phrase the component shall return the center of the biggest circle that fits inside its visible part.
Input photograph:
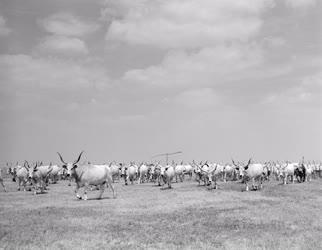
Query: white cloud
(68, 46)
(184, 23)
(25, 72)
(66, 24)
(300, 3)
(4, 30)
(207, 67)
(203, 98)
(309, 90)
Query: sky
(125, 80)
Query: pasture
(144, 217)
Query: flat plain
(143, 216)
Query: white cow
(212, 172)
(188, 170)
(39, 174)
(22, 175)
(228, 170)
(88, 174)
(131, 174)
(54, 174)
(252, 172)
(287, 170)
(2, 182)
(179, 172)
(167, 173)
(143, 171)
(115, 171)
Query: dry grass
(185, 217)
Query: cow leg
(253, 183)
(261, 183)
(216, 187)
(247, 188)
(86, 187)
(76, 192)
(3, 186)
(102, 188)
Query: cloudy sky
(127, 79)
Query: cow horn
(79, 157)
(61, 158)
(234, 162)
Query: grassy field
(145, 217)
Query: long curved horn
(234, 162)
(249, 161)
(61, 158)
(79, 157)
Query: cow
(89, 174)
(212, 172)
(39, 174)
(123, 168)
(188, 170)
(179, 172)
(197, 170)
(22, 175)
(55, 173)
(252, 172)
(132, 171)
(300, 173)
(143, 171)
(287, 170)
(115, 171)
(309, 170)
(12, 171)
(230, 171)
(167, 174)
(2, 182)
(156, 173)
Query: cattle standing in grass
(88, 174)
(132, 173)
(39, 174)
(167, 174)
(287, 170)
(156, 174)
(22, 175)
(115, 171)
(124, 172)
(308, 171)
(179, 172)
(143, 171)
(228, 170)
(1, 181)
(188, 170)
(252, 172)
(54, 174)
(12, 171)
(212, 172)
(300, 173)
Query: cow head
(31, 169)
(70, 167)
(242, 168)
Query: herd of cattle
(37, 176)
